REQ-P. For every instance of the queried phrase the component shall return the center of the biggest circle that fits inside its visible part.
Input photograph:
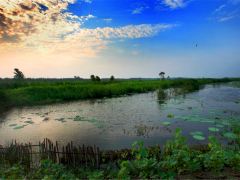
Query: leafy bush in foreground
(176, 159)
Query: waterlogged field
(114, 123)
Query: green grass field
(44, 91)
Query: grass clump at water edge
(35, 92)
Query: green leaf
(29, 122)
(19, 127)
(170, 116)
(196, 133)
(165, 123)
(199, 137)
(230, 135)
(213, 129)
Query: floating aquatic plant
(230, 135)
(19, 127)
(79, 118)
(11, 125)
(199, 137)
(95, 122)
(220, 125)
(213, 129)
(208, 121)
(170, 116)
(166, 123)
(196, 133)
(61, 120)
(29, 122)
(225, 123)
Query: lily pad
(19, 127)
(61, 120)
(207, 121)
(197, 133)
(78, 118)
(230, 135)
(226, 123)
(170, 116)
(220, 125)
(199, 137)
(11, 125)
(213, 129)
(165, 123)
(29, 122)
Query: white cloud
(90, 16)
(44, 26)
(87, 1)
(108, 20)
(138, 10)
(226, 12)
(89, 42)
(226, 18)
(129, 31)
(220, 8)
(174, 4)
(23, 20)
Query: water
(115, 123)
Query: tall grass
(42, 91)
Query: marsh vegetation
(208, 116)
(15, 92)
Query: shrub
(215, 158)
(177, 156)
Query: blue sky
(130, 38)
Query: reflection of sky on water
(117, 122)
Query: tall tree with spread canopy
(162, 74)
(18, 74)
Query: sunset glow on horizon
(127, 38)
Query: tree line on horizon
(19, 75)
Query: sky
(124, 38)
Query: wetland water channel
(115, 123)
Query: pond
(115, 123)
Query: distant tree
(93, 78)
(162, 74)
(97, 78)
(168, 77)
(77, 77)
(112, 78)
(18, 74)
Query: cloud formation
(87, 1)
(35, 20)
(174, 4)
(138, 10)
(47, 26)
(226, 12)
